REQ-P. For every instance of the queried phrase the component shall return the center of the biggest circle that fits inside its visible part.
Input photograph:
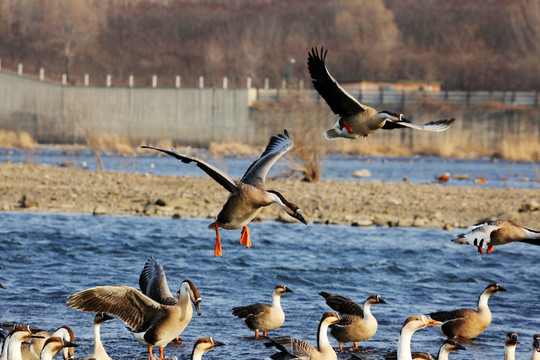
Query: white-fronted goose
(248, 196)
(536, 347)
(411, 324)
(294, 348)
(356, 323)
(53, 345)
(153, 324)
(99, 352)
(263, 317)
(510, 344)
(499, 232)
(446, 348)
(356, 119)
(468, 323)
(11, 350)
(203, 345)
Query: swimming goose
(99, 351)
(53, 345)
(11, 350)
(203, 345)
(499, 232)
(294, 348)
(467, 323)
(510, 344)
(356, 119)
(153, 324)
(356, 323)
(536, 347)
(446, 348)
(411, 324)
(248, 196)
(263, 317)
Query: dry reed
(17, 139)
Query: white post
(248, 82)
(20, 69)
(109, 80)
(177, 82)
(64, 79)
(266, 83)
(154, 81)
(130, 81)
(41, 74)
(201, 82)
(225, 82)
(86, 80)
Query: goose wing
(221, 177)
(339, 100)
(153, 283)
(126, 303)
(299, 349)
(478, 234)
(343, 304)
(277, 146)
(439, 125)
(243, 312)
(445, 316)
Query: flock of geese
(157, 317)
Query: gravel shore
(46, 188)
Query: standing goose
(294, 348)
(510, 344)
(536, 347)
(53, 345)
(356, 119)
(153, 324)
(99, 351)
(203, 345)
(263, 317)
(356, 323)
(468, 323)
(11, 350)
(31, 350)
(499, 232)
(411, 324)
(248, 196)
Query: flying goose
(153, 324)
(510, 344)
(11, 349)
(248, 196)
(263, 317)
(356, 323)
(99, 351)
(411, 324)
(356, 119)
(499, 232)
(467, 323)
(203, 345)
(536, 347)
(446, 348)
(53, 345)
(294, 348)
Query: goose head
(56, 343)
(536, 343)
(450, 345)
(417, 322)
(511, 339)
(101, 318)
(329, 318)
(494, 288)
(392, 116)
(375, 299)
(281, 290)
(290, 208)
(188, 287)
(205, 344)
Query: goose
(248, 196)
(11, 349)
(356, 119)
(31, 350)
(467, 323)
(498, 232)
(510, 344)
(152, 323)
(263, 317)
(356, 323)
(203, 345)
(53, 345)
(446, 348)
(294, 348)
(411, 324)
(99, 351)
(536, 347)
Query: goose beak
(288, 290)
(500, 288)
(431, 322)
(218, 343)
(69, 344)
(381, 301)
(458, 346)
(298, 216)
(198, 306)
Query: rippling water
(46, 257)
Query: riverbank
(44, 188)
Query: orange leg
(346, 125)
(161, 352)
(150, 352)
(177, 339)
(264, 333)
(244, 239)
(355, 345)
(256, 334)
(217, 248)
(489, 249)
(340, 346)
(480, 250)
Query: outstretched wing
(478, 235)
(299, 349)
(126, 303)
(343, 304)
(339, 100)
(222, 178)
(277, 146)
(153, 283)
(439, 125)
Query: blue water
(45, 257)
(418, 169)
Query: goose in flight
(356, 119)
(248, 196)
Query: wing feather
(450, 315)
(343, 304)
(298, 348)
(153, 283)
(439, 125)
(243, 312)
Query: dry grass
(232, 148)
(17, 139)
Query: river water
(46, 257)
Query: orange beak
(431, 322)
